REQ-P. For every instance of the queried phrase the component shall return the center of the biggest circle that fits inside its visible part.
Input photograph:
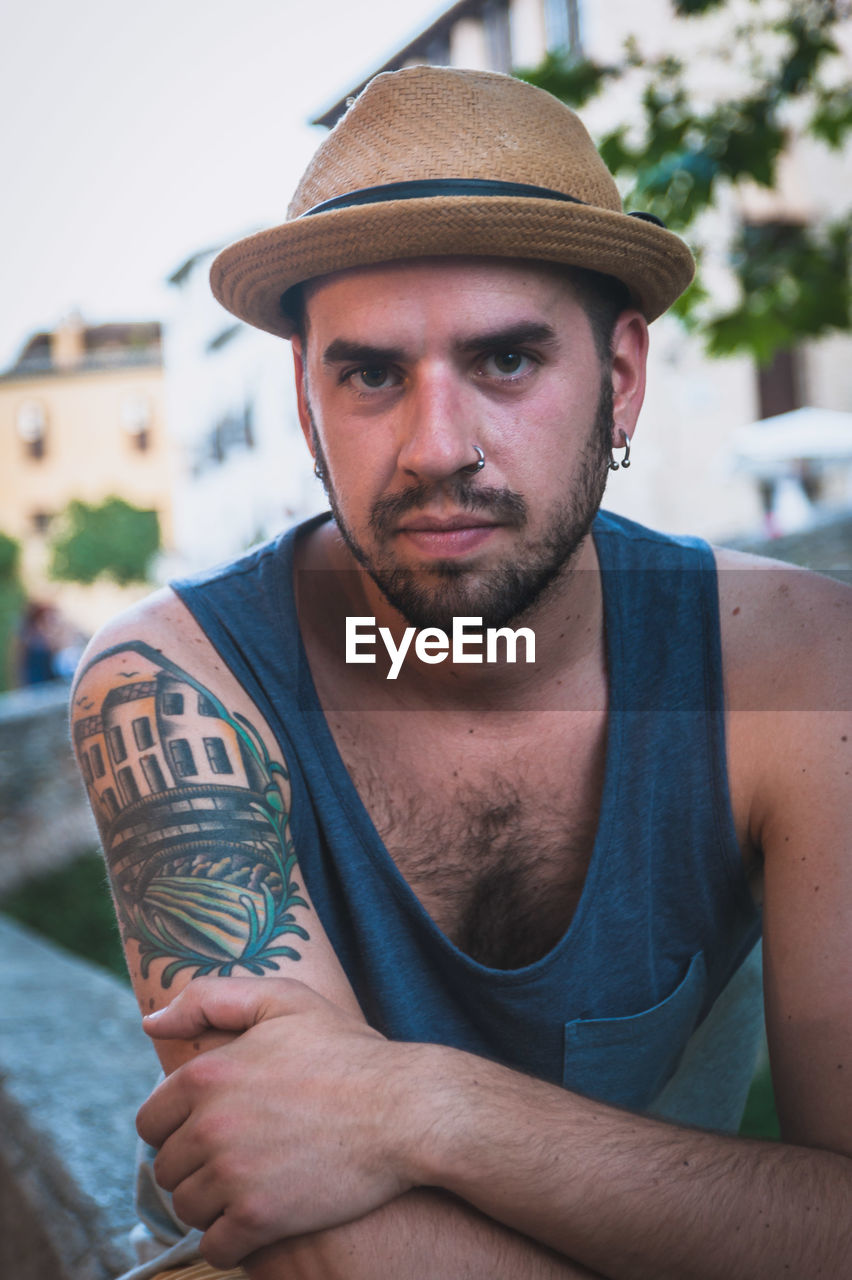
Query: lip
(444, 524)
(443, 537)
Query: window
(40, 522)
(142, 733)
(495, 16)
(779, 383)
(117, 749)
(234, 431)
(248, 425)
(153, 773)
(562, 23)
(110, 801)
(205, 706)
(96, 756)
(136, 420)
(217, 755)
(183, 760)
(129, 788)
(86, 767)
(438, 51)
(172, 704)
(32, 429)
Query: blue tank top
(665, 917)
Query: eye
(372, 377)
(506, 365)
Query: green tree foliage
(11, 600)
(680, 153)
(114, 540)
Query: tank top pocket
(628, 1060)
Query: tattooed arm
(192, 800)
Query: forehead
(440, 290)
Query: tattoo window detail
(117, 749)
(129, 789)
(193, 823)
(182, 758)
(153, 773)
(217, 755)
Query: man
(458, 805)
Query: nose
(438, 427)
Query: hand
(289, 1128)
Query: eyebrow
(341, 350)
(514, 335)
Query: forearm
(423, 1235)
(631, 1197)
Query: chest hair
(497, 857)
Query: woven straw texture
(438, 123)
(200, 1271)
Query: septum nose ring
(473, 467)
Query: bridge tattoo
(192, 812)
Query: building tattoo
(192, 813)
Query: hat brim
(250, 276)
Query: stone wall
(44, 816)
(74, 1068)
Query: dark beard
(433, 597)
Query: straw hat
(435, 161)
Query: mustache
(504, 505)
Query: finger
(234, 1235)
(178, 1159)
(164, 1112)
(226, 1004)
(196, 1201)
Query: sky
(134, 135)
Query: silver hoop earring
(473, 467)
(319, 472)
(625, 461)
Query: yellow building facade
(82, 416)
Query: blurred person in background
(36, 644)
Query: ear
(629, 360)
(300, 374)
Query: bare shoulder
(785, 635)
(789, 691)
(160, 620)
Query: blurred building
(491, 35)
(243, 469)
(687, 476)
(81, 416)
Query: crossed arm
(309, 1145)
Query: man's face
(407, 367)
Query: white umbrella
(811, 435)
